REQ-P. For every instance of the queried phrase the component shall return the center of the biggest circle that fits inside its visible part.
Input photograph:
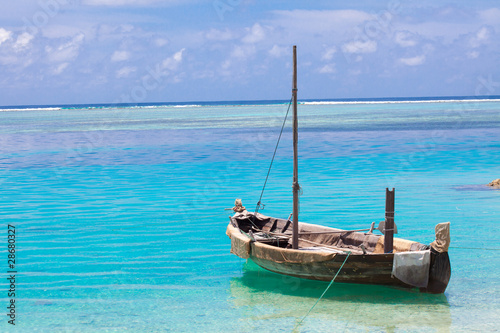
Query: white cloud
(239, 60)
(278, 51)
(413, 61)
(120, 56)
(243, 51)
(125, 71)
(226, 64)
(8, 59)
(327, 69)
(203, 74)
(126, 28)
(4, 35)
(328, 54)
(23, 41)
(255, 34)
(53, 31)
(446, 32)
(490, 16)
(472, 54)
(111, 30)
(160, 42)
(315, 22)
(369, 46)
(60, 68)
(403, 38)
(219, 35)
(67, 51)
(480, 37)
(171, 63)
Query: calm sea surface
(120, 221)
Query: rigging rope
(324, 292)
(259, 203)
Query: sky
(142, 51)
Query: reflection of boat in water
(317, 252)
(267, 296)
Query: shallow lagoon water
(120, 214)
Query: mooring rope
(324, 292)
(259, 203)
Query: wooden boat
(317, 252)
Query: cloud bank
(77, 54)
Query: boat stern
(440, 267)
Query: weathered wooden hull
(363, 269)
(369, 269)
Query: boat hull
(361, 269)
(369, 269)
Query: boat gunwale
(354, 251)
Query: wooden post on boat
(295, 186)
(389, 220)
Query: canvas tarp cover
(442, 241)
(240, 244)
(412, 267)
(281, 255)
(399, 245)
(352, 241)
(343, 239)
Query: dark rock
(496, 182)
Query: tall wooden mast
(295, 186)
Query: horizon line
(259, 102)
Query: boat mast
(295, 186)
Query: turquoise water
(120, 221)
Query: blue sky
(108, 51)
